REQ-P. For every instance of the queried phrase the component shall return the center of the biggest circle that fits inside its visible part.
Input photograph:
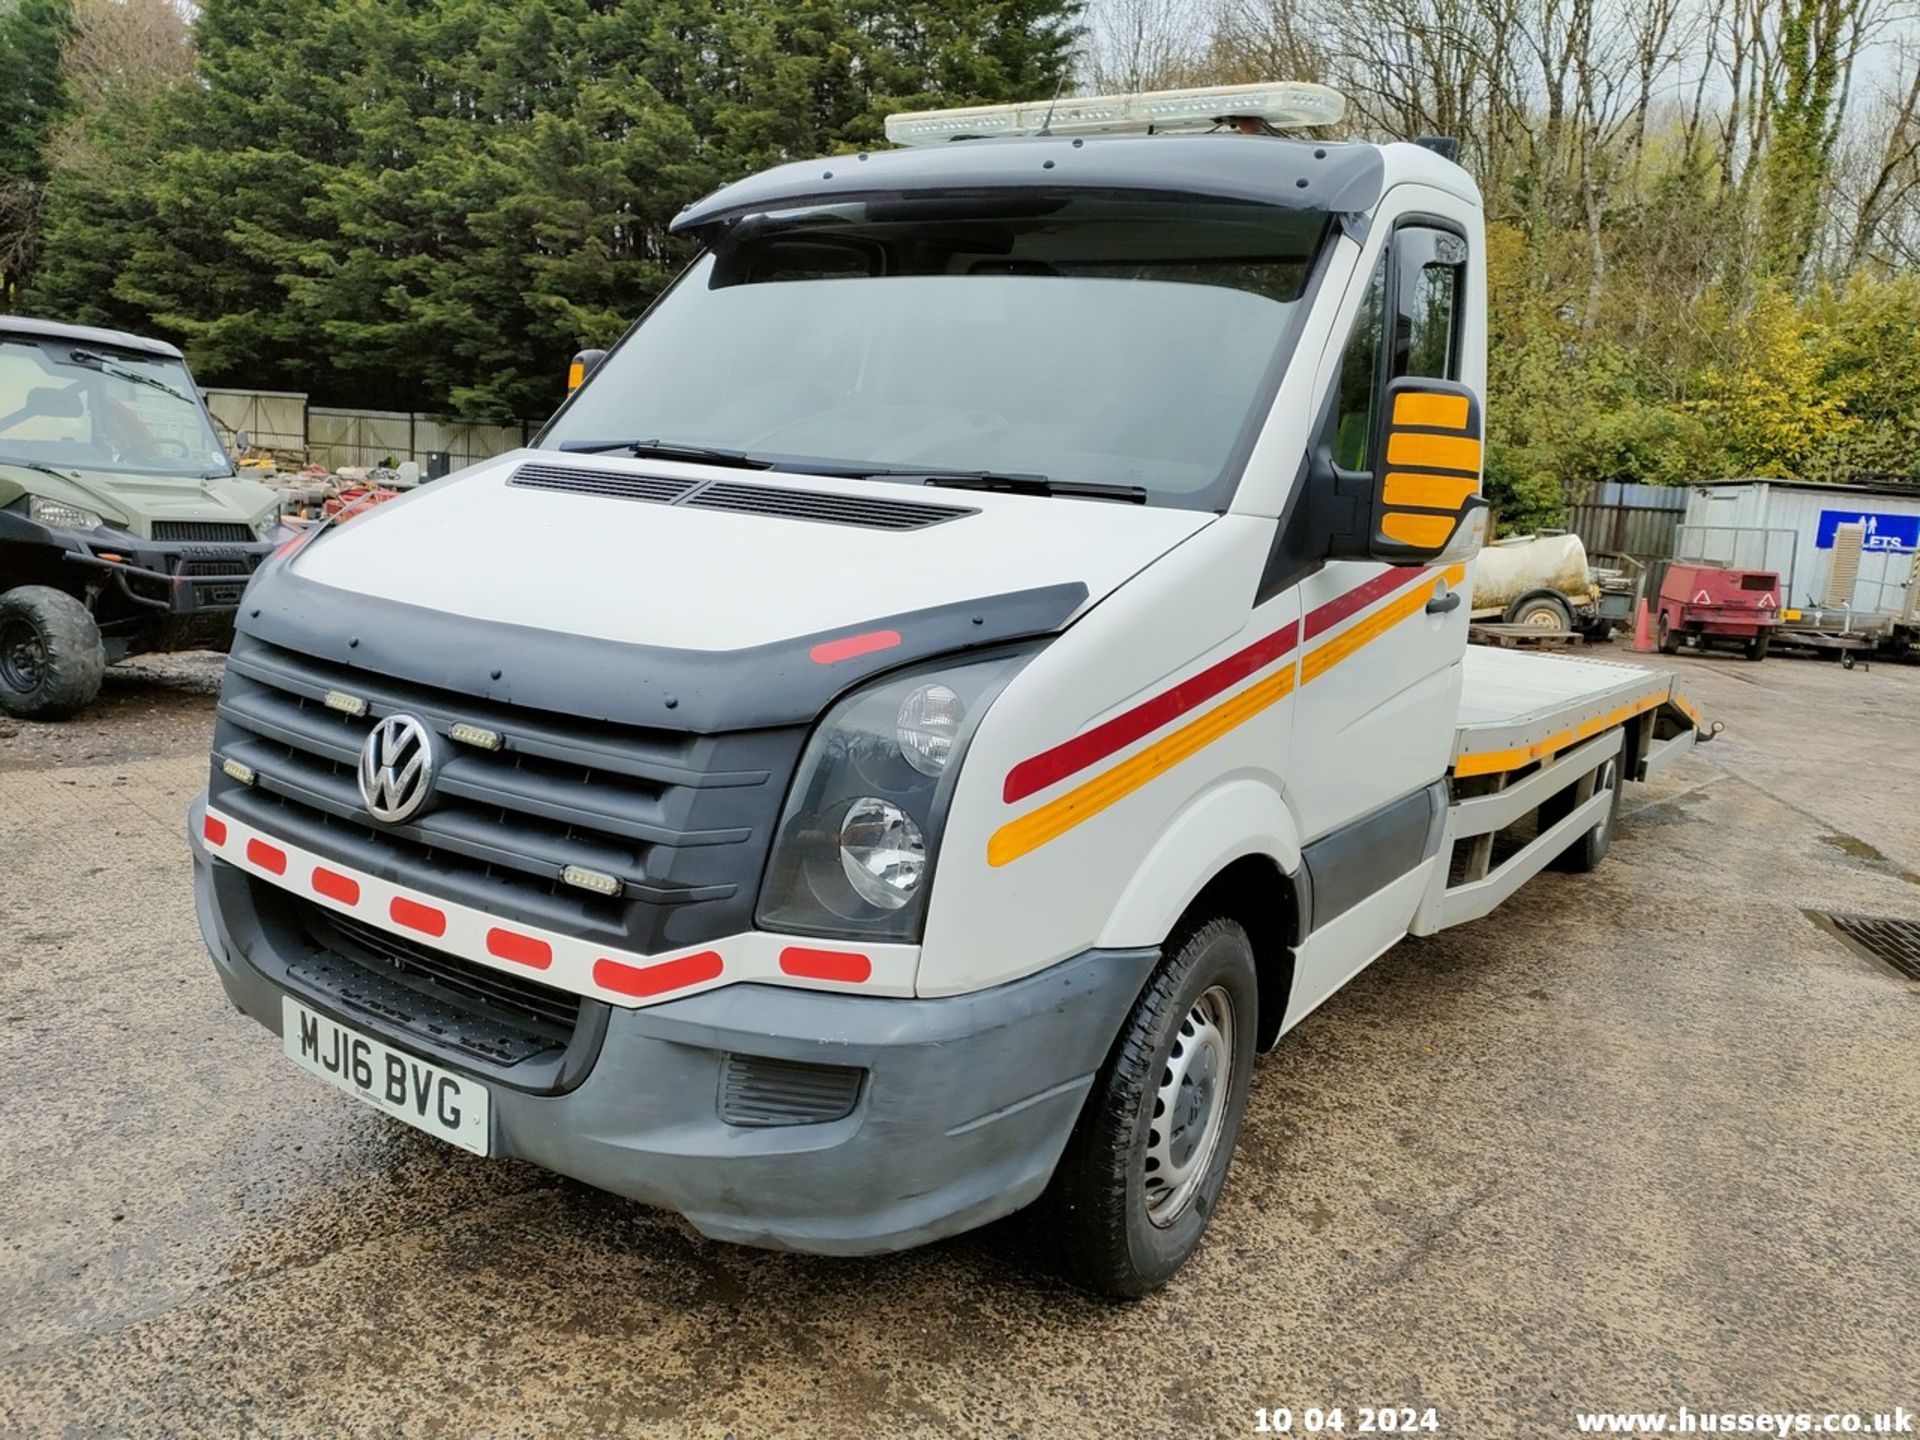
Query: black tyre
(51, 658)
(1669, 637)
(1541, 612)
(1591, 848)
(1756, 648)
(1144, 1169)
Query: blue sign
(1899, 533)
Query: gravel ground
(1644, 1138)
(155, 705)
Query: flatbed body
(1533, 727)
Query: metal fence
(334, 436)
(372, 437)
(275, 419)
(1618, 521)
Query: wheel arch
(1233, 851)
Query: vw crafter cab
(979, 660)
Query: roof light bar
(1281, 103)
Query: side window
(1360, 378)
(1431, 266)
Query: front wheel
(51, 657)
(1144, 1169)
(1669, 639)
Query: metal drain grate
(1880, 937)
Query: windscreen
(1086, 340)
(74, 404)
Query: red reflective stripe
(267, 857)
(214, 828)
(1325, 617)
(415, 916)
(1052, 766)
(521, 949)
(656, 979)
(828, 651)
(335, 886)
(825, 964)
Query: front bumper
(964, 1108)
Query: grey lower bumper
(967, 1102)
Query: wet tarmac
(1644, 1138)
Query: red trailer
(1712, 603)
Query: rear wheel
(1756, 648)
(1669, 640)
(1591, 848)
(1148, 1160)
(51, 658)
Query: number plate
(424, 1095)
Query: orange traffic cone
(1642, 631)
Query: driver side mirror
(1426, 506)
(583, 365)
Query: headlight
(61, 515)
(855, 850)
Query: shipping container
(1792, 527)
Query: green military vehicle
(125, 527)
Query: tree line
(1704, 215)
(431, 204)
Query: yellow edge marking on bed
(1055, 818)
(1493, 762)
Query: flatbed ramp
(1542, 730)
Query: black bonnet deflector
(705, 692)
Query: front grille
(239, 564)
(214, 531)
(682, 821)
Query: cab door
(1381, 645)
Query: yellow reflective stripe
(1427, 492)
(1429, 532)
(1420, 407)
(1494, 762)
(1438, 452)
(1056, 817)
(576, 372)
(1680, 704)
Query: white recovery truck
(981, 659)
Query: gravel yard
(1643, 1138)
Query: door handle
(1443, 604)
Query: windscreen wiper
(667, 450)
(1038, 485)
(107, 367)
(36, 465)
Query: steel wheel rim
(1189, 1107)
(23, 655)
(1543, 618)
